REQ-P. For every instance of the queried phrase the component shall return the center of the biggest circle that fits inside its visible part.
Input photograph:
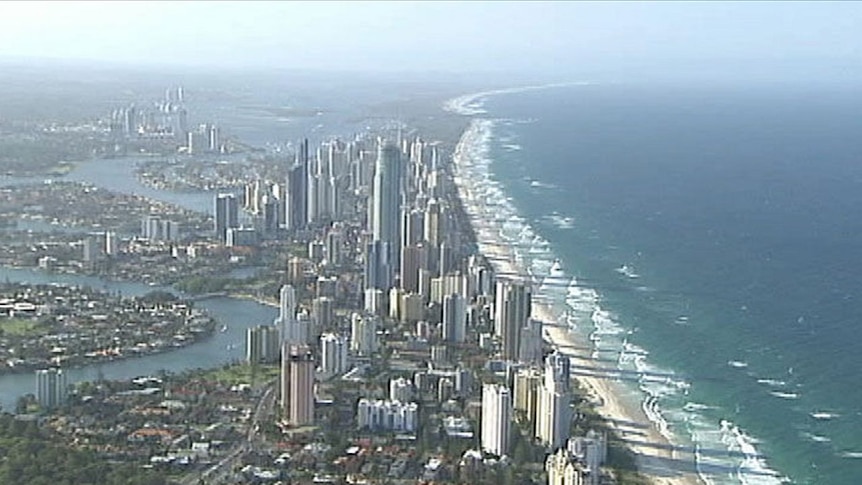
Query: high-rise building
(414, 227)
(400, 389)
(444, 259)
(454, 318)
(213, 138)
(363, 334)
(51, 387)
(387, 415)
(374, 302)
(554, 416)
(496, 419)
(322, 313)
(527, 382)
(411, 308)
(564, 469)
(511, 310)
(378, 267)
(297, 385)
(333, 354)
(112, 243)
(386, 196)
(481, 277)
(334, 243)
(296, 201)
(269, 206)
(592, 452)
(241, 236)
(530, 350)
(262, 344)
(154, 228)
(434, 223)
(226, 215)
(92, 248)
(130, 126)
(413, 258)
(293, 330)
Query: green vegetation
(196, 285)
(31, 153)
(31, 456)
(232, 374)
(19, 327)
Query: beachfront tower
(554, 416)
(385, 222)
(226, 215)
(511, 311)
(496, 419)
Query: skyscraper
(454, 318)
(413, 258)
(296, 201)
(262, 344)
(297, 385)
(554, 415)
(363, 334)
(293, 330)
(51, 387)
(333, 354)
(496, 419)
(378, 267)
(511, 310)
(527, 383)
(226, 215)
(386, 200)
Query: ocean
(710, 239)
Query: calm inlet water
(715, 234)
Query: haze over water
(718, 228)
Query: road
(221, 471)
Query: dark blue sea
(711, 232)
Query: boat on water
(223, 329)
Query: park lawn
(20, 327)
(242, 374)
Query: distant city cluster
(166, 120)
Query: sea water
(710, 242)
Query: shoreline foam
(656, 456)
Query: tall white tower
(496, 419)
(554, 415)
(293, 331)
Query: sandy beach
(657, 457)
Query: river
(220, 348)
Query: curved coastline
(510, 243)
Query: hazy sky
(450, 36)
